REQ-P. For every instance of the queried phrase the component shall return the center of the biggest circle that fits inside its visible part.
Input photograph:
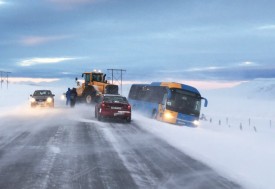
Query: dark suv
(42, 98)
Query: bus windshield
(184, 102)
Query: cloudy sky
(213, 40)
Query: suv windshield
(184, 102)
(42, 93)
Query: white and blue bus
(168, 101)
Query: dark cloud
(238, 73)
(144, 37)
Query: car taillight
(129, 107)
(103, 105)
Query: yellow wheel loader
(94, 84)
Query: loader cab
(94, 77)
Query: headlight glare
(168, 115)
(63, 97)
(196, 122)
(32, 100)
(49, 99)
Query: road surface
(64, 148)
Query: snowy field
(237, 139)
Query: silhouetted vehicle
(42, 98)
(113, 106)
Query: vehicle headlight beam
(49, 99)
(196, 123)
(168, 115)
(32, 100)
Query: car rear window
(118, 99)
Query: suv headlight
(32, 100)
(49, 99)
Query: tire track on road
(155, 164)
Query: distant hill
(259, 88)
(255, 89)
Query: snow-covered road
(60, 149)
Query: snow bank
(245, 156)
(238, 142)
(237, 139)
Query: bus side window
(155, 94)
(133, 92)
(141, 94)
(151, 97)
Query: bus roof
(176, 85)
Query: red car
(113, 106)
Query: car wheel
(128, 119)
(99, 117)
(95, 114)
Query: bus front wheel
(154, 114)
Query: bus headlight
(168, 115)
(32, 100)
(49, 99)
(196, 123)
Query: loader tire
(88, 98)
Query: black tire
(128, 120)
(89, 94)
(95, 114)
(99, 117)
(88, 99)
(154, 114)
